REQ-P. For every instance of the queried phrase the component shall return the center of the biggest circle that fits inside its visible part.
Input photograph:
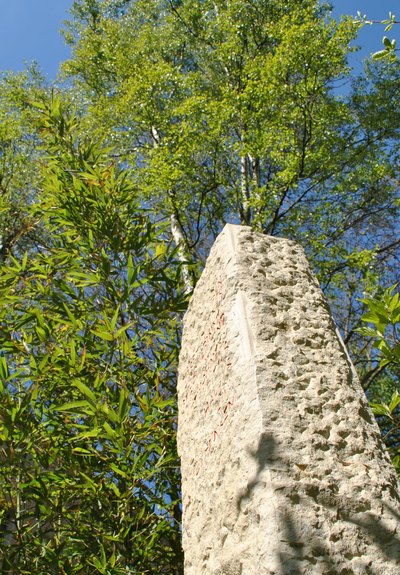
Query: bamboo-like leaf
(114, 319)
(74, 406)
(103, 334)
(4, 373)
(109, 413)
(123, 406)
(394, 402)
(130, 269)
(82, 451)
(118, 470)
(72, 352)
(110, 431)
(95, 432)
(88, 393)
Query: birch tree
(238, 94)
(228, 112)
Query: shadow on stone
(265, 455)
(379, 534)
(291, 560)
(299, 547)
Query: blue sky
(370, 37)
(29, 30)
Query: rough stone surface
(283, 467)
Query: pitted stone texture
(283, 467)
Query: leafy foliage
(384, 315)
(19, 143)
(89, 477)
(389, 45)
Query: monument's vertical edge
(283, 468)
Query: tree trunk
(177, 232)
(183, 257)
(245, 216)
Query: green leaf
(118, 470)
(367, 331)
(114, 487)
(130, 270)
(124, 405)
(380, 320)
(102, 334)
(386, 42)
(380, 409)
(380, 54)
(82, 451)
(394, 302)
(85, 434)
(74, 406)
(72, 352)
(109, 413)
(394, 402)
(110, 431)
(88, 393)
(114, 319)
(4, 373)
(74, 321)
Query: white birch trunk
(177, 233)
(244, 188)
(180, 243)
(256, 184)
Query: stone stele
(283, 467)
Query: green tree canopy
(19, 140)
(227, 111)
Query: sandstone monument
(283, 467)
